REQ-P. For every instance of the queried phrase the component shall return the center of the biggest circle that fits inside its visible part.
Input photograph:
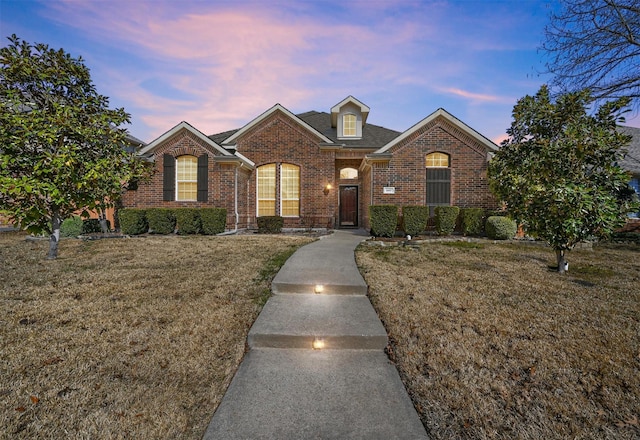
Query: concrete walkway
(345, 388)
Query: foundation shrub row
(184, 221)
(414, 221)
(270, 224)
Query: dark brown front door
(349, 206)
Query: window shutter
(169, 178)
(203, 178)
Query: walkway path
(345, 388)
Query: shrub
(414, 219)
(133, 221)
(384, 219)
(270, 224)
(188, 220)
(161, 220)
(213, 220)
(446, 217)
(92, 226)
(472, 221)
(71, 227)
(501, 228)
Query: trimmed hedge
(501, 228)
(446, 217)
(92, 226)
(270, 224)
(188, 220)
(472, 221)
(383, 219)
(71, 227)
(161, 220)
(214, 220)
(133, 221)
(414, 219)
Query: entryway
(348, 206)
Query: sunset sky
(219, 64)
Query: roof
(491, 146)
(373, 136)
(147, 150)
(268, 113)
(631, 161)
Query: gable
(449, 123)
(275, 110)
(183, 130)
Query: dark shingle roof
(631, 161)
(373, 136)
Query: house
(631, 160)
(317, 169)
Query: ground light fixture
(319, 288)
(318, 344)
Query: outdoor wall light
(327, 189)
(319, 288)
(318, 344)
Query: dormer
(348, 117)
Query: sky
(219, 64)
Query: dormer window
(349, 125)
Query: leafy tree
(61, 148)
(557, 171)
(595, 44)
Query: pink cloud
(473, 96)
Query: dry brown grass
(129, 338)
(493, 344)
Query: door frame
(357, 220)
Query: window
(187, 178)
(438, 181)
(266, 175)
(437, 160)
(290, 190)
(349, 125)
(348, 173)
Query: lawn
(127, 338)
(492, 343)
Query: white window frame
(344, 125)
(180, 159)
(282, 190)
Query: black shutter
(203, 178)
(438, 186)
(169, 178)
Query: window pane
(349, 125)
(290, 190)
(187, 178)
(348, 173)
(437, 160)
(266, 183)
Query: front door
(348, 206)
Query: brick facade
(383, 158)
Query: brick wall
(406, 170)
(278, 139)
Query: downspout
(235, 206)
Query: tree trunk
(54, 238)
(563, 264)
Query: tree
(61, 147)
(557, 171)
(595, 44)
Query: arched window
(438, 180)
(289, 190)
(266, 185)
(348, 173)
(187, 178)
(349, 125)
(437, 160)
